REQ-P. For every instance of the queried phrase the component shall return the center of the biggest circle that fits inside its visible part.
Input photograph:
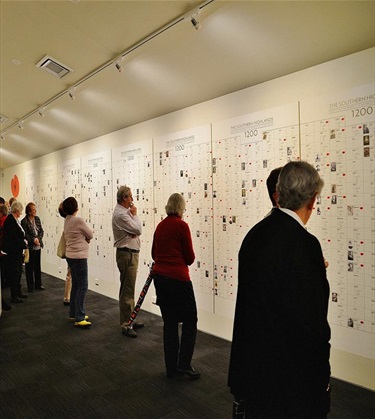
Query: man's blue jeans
(79, 270)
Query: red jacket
(172, 249)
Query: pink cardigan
(76, 234)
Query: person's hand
(36, 241)
(326, 264)
(133, 210)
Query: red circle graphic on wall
(15, 186)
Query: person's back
(280, 351)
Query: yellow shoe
(73, 319)
(82, 323)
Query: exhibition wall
(219, 154)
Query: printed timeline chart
(97, 207)
(245, 150)
(132, 166)
(182, 163)
(337, 135)
(47, 207)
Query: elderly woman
(4, 279)
(13, 246)
(172, 251)
(34, 235)
(77, 237)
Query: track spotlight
(119, 66)
(71, 93)
(41, 112)
(192, 17)
(20, 124)
(194, 21)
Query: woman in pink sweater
(77, 237)
(172, 251)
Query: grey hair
(176, 205)
(298, 182)
(16, 206)
(122, 193)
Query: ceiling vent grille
(52, 66)
(3, 119)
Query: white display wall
(218, 155)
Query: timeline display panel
(337, 136)
(132, 165)
(96, 193)
(244, 151)
(182, 164)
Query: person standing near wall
(68, 278)
(77, 236)
(271, 186)
(4, 279)
(34, 235)
(13, 245)
(279, 363)
(172, 251)
(127, 228)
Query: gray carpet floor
(50, 369)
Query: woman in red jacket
(172, 252)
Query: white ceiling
(240, 44)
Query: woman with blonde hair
(172, 251)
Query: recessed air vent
(3, 119)
(52, 66)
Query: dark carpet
(50, 369)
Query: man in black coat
(279, 365)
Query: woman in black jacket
(13, 246)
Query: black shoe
(189, 372)
(171, 373)
(66, 303)
(5, 306)
(16, 300)
(30, 291)
(138, 325)
(129, 332)
(41, 288)
(20, 295)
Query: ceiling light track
(192, 15)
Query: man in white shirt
(127, 229)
